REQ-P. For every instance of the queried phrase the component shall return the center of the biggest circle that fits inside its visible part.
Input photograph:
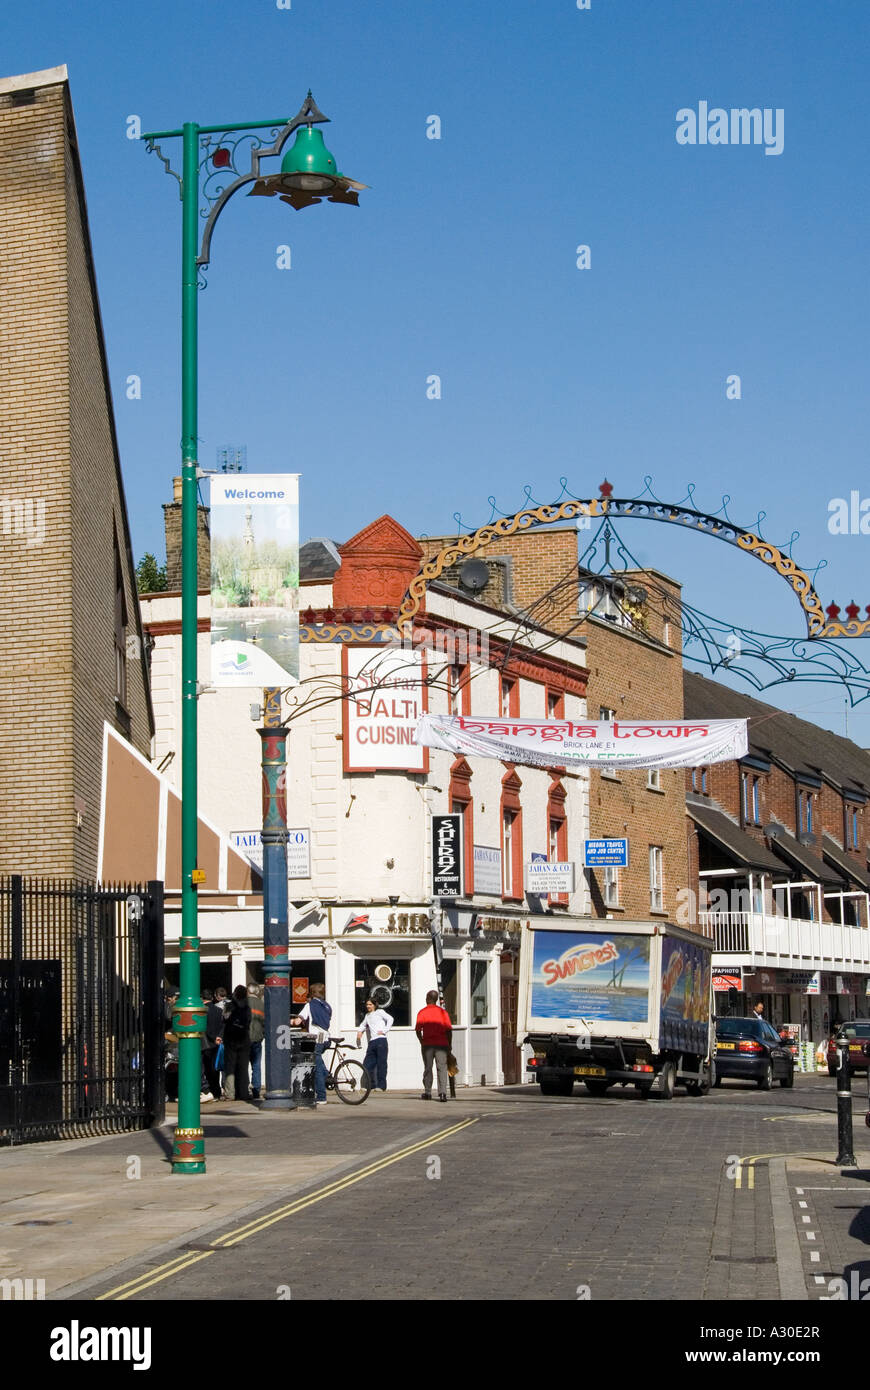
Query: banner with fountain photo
(255, 579)
(591, 975)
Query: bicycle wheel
(352, 1082)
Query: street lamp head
(309, 164)
(308, 174)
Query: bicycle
(345, 1075)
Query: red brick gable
(377, 565)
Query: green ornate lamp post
(211, 157)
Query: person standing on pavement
(258, 1032)
(435, 1033)
(317, 1017)
(376, 1025)
(237, 1044)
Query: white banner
(254, 579)
(566, 743)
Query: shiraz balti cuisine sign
(575, 743)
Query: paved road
(511, 1195)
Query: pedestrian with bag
(435, 1033)
(258, 1032)
(237, 1044)
(376, 1025)
(212, 1057)
(316, 1016)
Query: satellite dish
(772, 831)
(474, 575)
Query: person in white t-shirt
(376, 1025)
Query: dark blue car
(751, 1050)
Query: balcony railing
(790, 941)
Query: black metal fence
(81, 1009)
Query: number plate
(725, 1047)
(589, 1071)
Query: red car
(855, 1036)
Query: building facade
(69, 618)
(783, 864)
(361, 797)
(629, 625)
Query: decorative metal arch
(820, 621)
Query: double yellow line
(260, 1223)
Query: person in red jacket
(435, 1032)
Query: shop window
(388, 982)
(479, 991)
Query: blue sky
(558, 128)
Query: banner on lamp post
(255, 579)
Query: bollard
(845, 1158)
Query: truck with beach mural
(617, 1004)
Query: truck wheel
(596, 1088)
(765, 1081)
(668, 1082)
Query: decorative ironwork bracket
(820, 621)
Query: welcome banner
(567, 743)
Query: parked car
(853, 1035)
(750, 1049)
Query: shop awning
(729, 837)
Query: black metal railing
(81, 1008)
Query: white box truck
(617, 1003)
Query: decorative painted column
(276, 945)
(238, 972)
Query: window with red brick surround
(557, 833)
(509, 697)
(458, 689)
(511, 836)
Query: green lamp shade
(309, 160)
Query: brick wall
(57, 684)
(539, 561)
(634, 674)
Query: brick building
(629, 626)
(783, 847)
(69, 619)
